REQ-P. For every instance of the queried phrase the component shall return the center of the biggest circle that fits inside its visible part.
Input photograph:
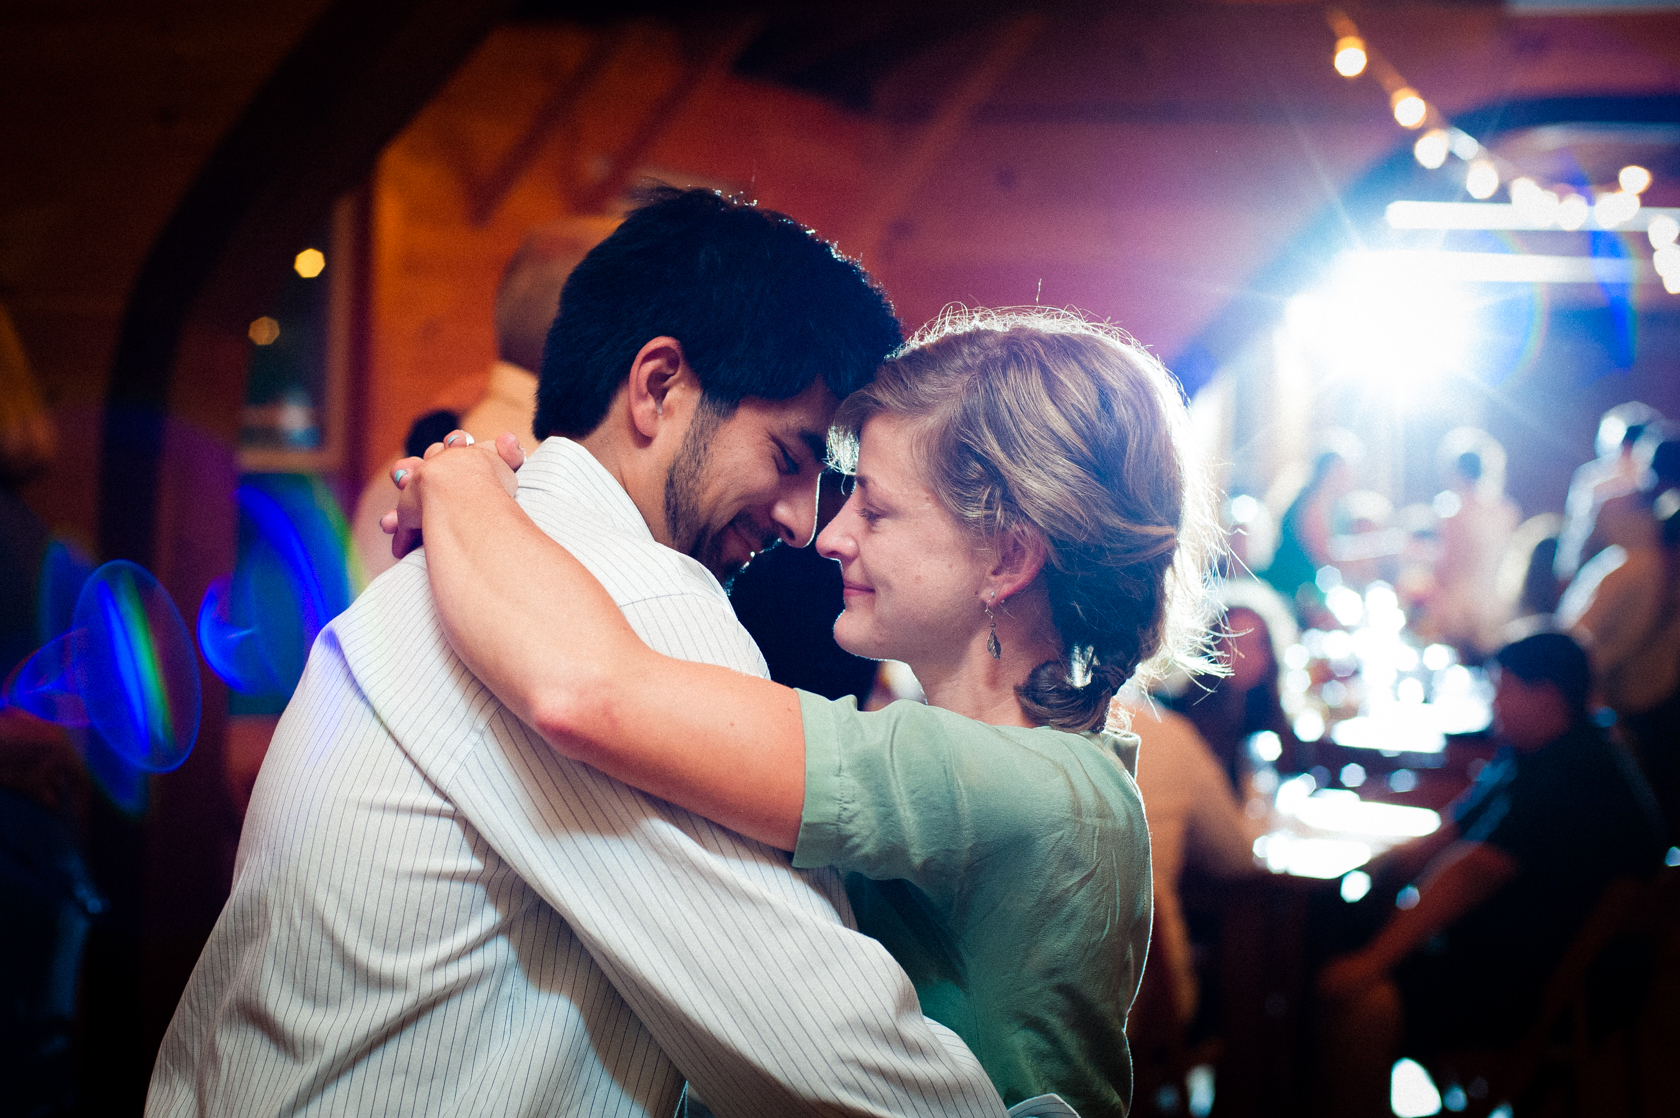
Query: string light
(1663, 231)
(1482, 180)
(1432, 148)
(1350, 56)
(1572, 212)
(1634, 179)
(1616, 208)
(1410, 110)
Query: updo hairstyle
(1040, 420)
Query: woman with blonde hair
(1025, 532)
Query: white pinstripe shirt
(433, 913)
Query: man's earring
(992, 644)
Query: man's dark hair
(761, 305)
(1552, 658)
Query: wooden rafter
(935, 138)
(556, 109)
(594, 197)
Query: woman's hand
(500, 458)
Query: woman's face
(913, 576)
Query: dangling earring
(992, 644)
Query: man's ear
(660, 385)
(1021, 554)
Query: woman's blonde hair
(28, 437)
(1041, 420)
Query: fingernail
(450, 441)
(400, 474)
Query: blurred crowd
(1560, 798)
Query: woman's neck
(977, 686)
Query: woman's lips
(848, 590)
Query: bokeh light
(1432, 148)
(1662, 231)
(1410, 110)
(1412, 1093)
(1634, 179)
(1573, 211)
(310, 263)
(264, 331)
(1350, 56)
(1616, 208)
(1482, 180)
(126, 667)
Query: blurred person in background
(1195, 822)
(1226, 711)
(1502, 887)
(1528, 586)
(505, 398)
(1309, 523)
(1589, 526)
(47, 897)
(1476, 523)
(1624, 608)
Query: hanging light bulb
(1409, 108)
(1350, 56)
(1634, 179)
(1432, 147)
(1481, 180)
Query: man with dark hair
(435, 913)
(1507, 881)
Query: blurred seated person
(1227, 711)
(1589, 526)
(505, 398)
(1624, 608)
(1476, 523)
(1194, 822)
(1307, 526)
(1505, 884)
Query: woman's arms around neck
(549, 641)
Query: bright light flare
(1534, 203)
(1634, 179)
(1482, 180)
(1410, 110)
(1390, 321)
(1411, 1092)
(1432, 148)
(1350, 56)
(1463, 144)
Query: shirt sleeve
(908, 792)
(740, 969)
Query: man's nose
(795, 514)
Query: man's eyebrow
(817, 443)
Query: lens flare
(126, 668)
(1410, 110)
(296, 572)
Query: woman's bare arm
(548, 640)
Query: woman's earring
(992, 644)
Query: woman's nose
(836, 541)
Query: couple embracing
(521, 843)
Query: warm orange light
(1350, 56)
(264, 330)
(310, 263)
(1409, 108)
(1432, 148)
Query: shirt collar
(563, 468)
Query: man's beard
(684, 488)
